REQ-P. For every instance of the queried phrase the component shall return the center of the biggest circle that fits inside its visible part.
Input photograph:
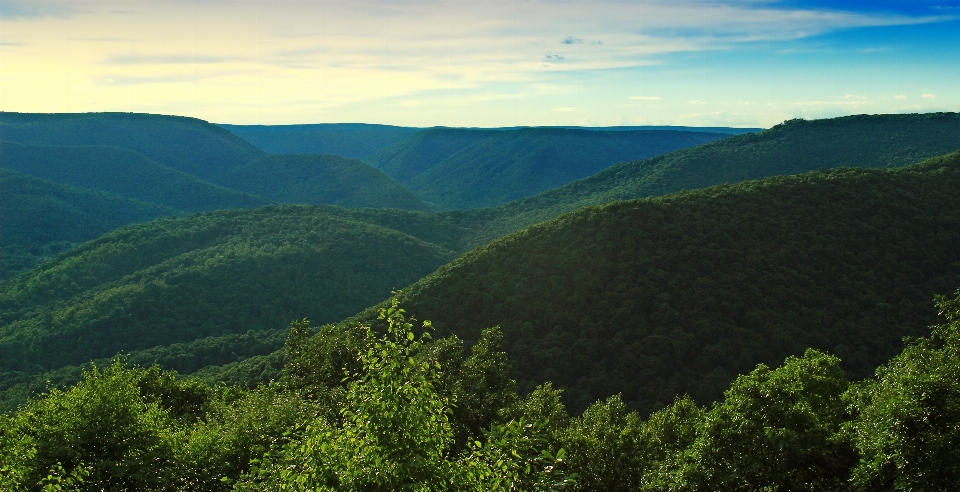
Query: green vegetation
(467, 168)
(321, 179)
(185, 144)
(350, 140)
(357, 410)
(796, 146)
(40, 218)
(122, 172)
(657, 297)
(175, 280)
(513, 164)
(425, 149)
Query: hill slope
(186, 144)
(179, 279)
(321, 179)
(664, 296)
(123, 172)
(795, 146)
(351, 140)
(508, 165)
(41, 218)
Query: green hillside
(122, 172)
(508, 165)
(795, 146)
(351, 140)
(186, 144)
(39, 218)
(657, 297)
(176, 280)
(321, 179)
(417, 154)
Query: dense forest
(663, 296)
(457, 168)
(321, 179)
(354, 409)
(753, 313)
(123, 172)
(185, 144)
(795, 146)
(41, 219)
(179, 279)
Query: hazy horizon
(750, 63)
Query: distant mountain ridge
(321, 179)
(186, 144)
(40, 219)
(351, 140)
(792, 147)
(455, 168)
(122, 172)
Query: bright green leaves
(907, 420)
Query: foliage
(389, 424)
(793, 147)
(185, 144)
(468, 168)
(179, 280)
(321, 179)
(907, 420)
(125, 173)
(350, 140)
(775, 430)
(42, 218)
(658, 297)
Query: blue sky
(750, 63)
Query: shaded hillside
(352, 140)
(321, 179)
(179, 279)
(419, 153)
(123, 172)
(795, 146)
(39, 218)
(508, 165)
(664, 296)
(186, 144)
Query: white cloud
(929, 96)
(645, 98)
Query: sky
(478, 63)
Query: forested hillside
(425, 149)
(795, 146)
(357, 410)
(122, 172)
(351, 140)
(321, 179)
(186, 144)
(180, 279)
(657, 297)
(39, 218)
(469, 168)
(513, 164)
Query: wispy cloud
(565, 110)
(179, 59)
(929, 96)
(645, 98)
(20, 9)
